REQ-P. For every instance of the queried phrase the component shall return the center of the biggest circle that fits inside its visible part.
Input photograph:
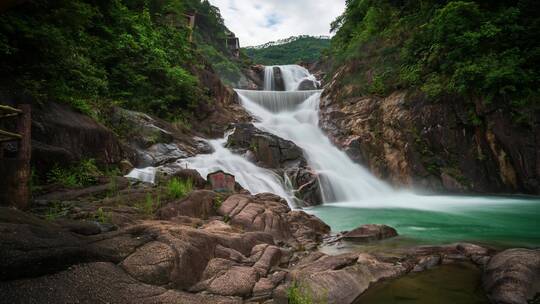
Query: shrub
(298, 295)
(102, 216)
(149, 205)
(178, 188)
(55, 211)
(82, 174)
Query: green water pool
(496, 221)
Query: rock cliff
(410, 140)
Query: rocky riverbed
(212, 247)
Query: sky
(259, 21)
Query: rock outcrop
(61, 135)
(222, 252)
(410, 140)
(282, 156)
(513, 276)
(307, 84)
(371, 232)
(270, 213)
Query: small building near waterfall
(233, 44)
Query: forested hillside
(486, 50)
(132, 53)
(292, 50)
(439, 93)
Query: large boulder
(30, 246)
(280, 155)
(199, 204)
(307, 85)
(370, 232)
(340, 279)
(271, 214)
(513, 276)
(61, 135)
(268, 150)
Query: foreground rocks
(282, 156)
(222, 248)
(200, 249)
(513, 276)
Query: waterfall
(278, 101)
(293, 75)
(293, 115)
(253, 178)
(269, 84)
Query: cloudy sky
(259, 21)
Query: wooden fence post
(21, 197)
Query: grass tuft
(178, 188)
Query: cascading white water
(278, 101)
(293, 115)
(253, 178)
(293, 75)
(341, 179)
(269, 78)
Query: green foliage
(218, 201)
(55, 211)
(301, 294)
(103, 216)
(476, 49)
(133, 53)
(149, 205)
(82, 174)
(178, 188)
(299, 49)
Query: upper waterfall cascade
(292, 76)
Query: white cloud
(259, 21)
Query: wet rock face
(512, 276)
(279, 83)
(307, 85)
(253, 78)
(282, 156)
(371, 232)
(410, 140)
(269, 150)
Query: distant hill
(291, 50)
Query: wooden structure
(233, 44)
(15, 170)
(190, 22)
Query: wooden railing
(15, 170)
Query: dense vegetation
(486, 51)
(90, 53)
(295, 50)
